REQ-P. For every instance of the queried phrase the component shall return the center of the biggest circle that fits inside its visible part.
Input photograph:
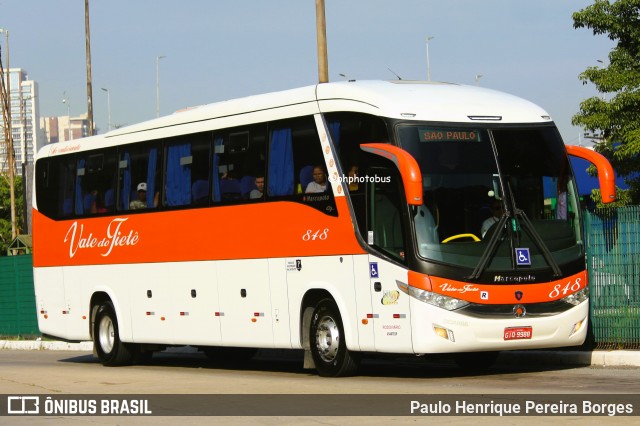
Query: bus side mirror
(406, 164)
(606, 176)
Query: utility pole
(88, 50)
(321, 29)
(5, 97)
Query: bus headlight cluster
(577, 297)
(435, 299)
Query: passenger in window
(258, 191)
(91, 202)
(319, 182)
(141, 202)
(98, 204)
(496, 214)
(353, 178)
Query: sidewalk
(598, 358)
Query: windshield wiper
(492, 246)
(495, 238)
(526, 223)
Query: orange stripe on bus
(501, 293)
(261, 230)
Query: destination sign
(448, 135)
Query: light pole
(428, 63)
(108, 108)
(66, 102)
(478, 77)
(158, 84)
(11, 159)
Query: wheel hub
(327, 339)
(106, 335)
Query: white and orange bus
(157, 234)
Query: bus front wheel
(328, 345)
(110, 349)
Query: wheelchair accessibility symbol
(373, 270)
(522, 257)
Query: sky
(217, 50)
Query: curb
(601, 358)
(39, 345)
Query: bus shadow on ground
(291, 361)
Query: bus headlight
(435, 299)
(577, 297)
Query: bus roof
(402, 99)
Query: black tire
(328, 345)
(475, 361)
(223, 354)
(112, 352)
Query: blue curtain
(151, 177)
(125, 191)
(178, 176)
(79, 196)
(280, 177)
(217, 146)
(334, 132)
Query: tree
(5, 211)
(615, 116)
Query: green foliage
(615, 115)
(623, 198)
(5, 211)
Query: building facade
(64, 128)
(27, 138)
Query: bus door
(386, 234)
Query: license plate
(516, 333)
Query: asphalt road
(273, 372)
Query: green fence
(17, 299)
(613, 255)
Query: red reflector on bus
(369, 315)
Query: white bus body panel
(331, 273)
(478, 334)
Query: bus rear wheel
(110, 349)
(328, 345)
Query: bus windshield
(515, 182)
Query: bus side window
(385, 213)
(139, 168)
(95, 175)
(280, 180)
(187, 170)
